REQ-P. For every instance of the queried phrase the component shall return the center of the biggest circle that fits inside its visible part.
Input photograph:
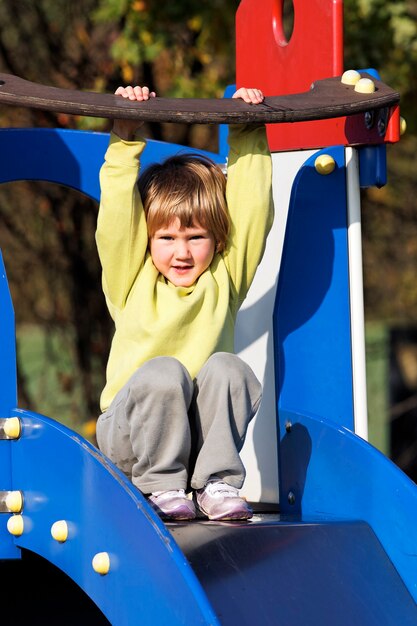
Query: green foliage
(383, 35)
(188, 43)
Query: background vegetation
(180, 48)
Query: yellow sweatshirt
(153, 317)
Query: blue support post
(312, 315)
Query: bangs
(189, 188)
(189, 208)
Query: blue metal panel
(335, 474)
(68, 157)
(8, 383)
(8, 399)
(65, 478)
(8, 550)
(224, 128)
(312, 314)
(373, 159)
(373, 166)
(274, 572)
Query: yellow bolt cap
(324, 164)
(350, 77)
(15, 525)
(365, 85)
(59, 531)
(101, 563)
(403, 126)
(14, 501)
(12, 427)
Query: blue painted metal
(224, 128)
(66, 478)
(373, 159)
(8, 399)
(8, 381)
(333, 475)
(336, 475)
(67, 157)
(373, 166)
(296, 573)
(312, 316)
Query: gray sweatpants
(166, 431)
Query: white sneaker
(220, 501)
(173, 504)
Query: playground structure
(343, 549)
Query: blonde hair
(191, 188)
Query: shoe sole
(174, 517)
(227, 517)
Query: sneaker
(219, 501)
(173, 505)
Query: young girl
(179, 252)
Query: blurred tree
(383, 35)
(181, 48)
(47, 233)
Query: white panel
(357, 316)
(254, 341)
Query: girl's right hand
(126, 129)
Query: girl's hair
(189, 187)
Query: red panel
(265, 59)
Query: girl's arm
(121, 236)
(249, 199)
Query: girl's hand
(251, 96)
(135, 93)
(126, 129)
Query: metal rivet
(14, 501)
(324, 164)
(291, 498)
(288, 426)
(101, 563)
(15, 525)
(12, 427)
(59, 531)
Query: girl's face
(182, 254)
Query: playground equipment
(343, 549)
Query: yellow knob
(15, 525)
(350, 77)
(403, 126)
(324, 164)
(12, 427)
(101, 563)
(59, 531)
(365, 85)
(14, 501)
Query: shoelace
(166, 495)
(220, 488)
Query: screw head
(291, 498)
(381, 127)
(288, 426)
(369, 119)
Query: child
(179, 252)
